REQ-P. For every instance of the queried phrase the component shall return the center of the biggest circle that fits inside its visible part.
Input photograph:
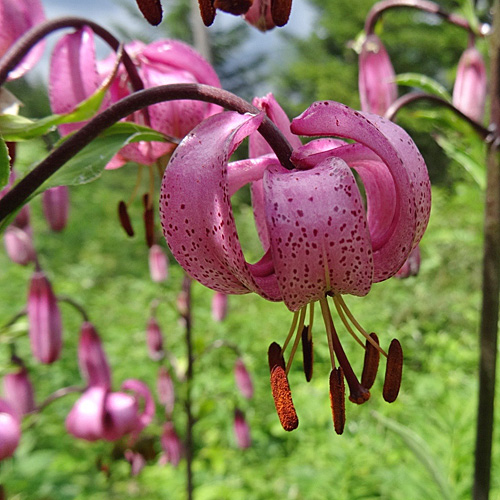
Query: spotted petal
(397, 235)
(196, 212)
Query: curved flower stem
(488, 333)
(406, 99)
(380, 7)
(125, 107)
(60, 393)
(23, 45)
(73, 303)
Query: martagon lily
(319, 239)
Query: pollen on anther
(393, 371)
(283, 399)
(337, 399)
(371, 361)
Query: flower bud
(377, 80)
(10, 430)
(469, 91)
(136, 461)
(56, 207)
(166, 392)
(411, 267)
(18, 392)
(219, 306)
(44, 318)
(19, 245)
(158, 264)
(92, 360)
(154, 340)
(171, 444)
(241, 429)
(243, 380)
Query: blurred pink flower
(241, 429)
(136, 460)
(92, 359)
(10, 430)
(56, 207)
(411, 267)
(219, 306)
(44, 318)
(18, 391)
(243, 379)
(166, 392)
(154, 340)
(171, 444)
(158, 263)
(19, 245)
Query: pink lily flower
(101, 414)
(318, 239)
(171, 444)
(10, 430)
(219, 306)
(44, 318)
(75, 74)
(470, 89)
(166, 391)
(412, 265)
(56, 207)
(17, 17)
(18, 391)
(377, 80)
(92, 359)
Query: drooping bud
(136, 460)
(19, 245)
(393, 371)
(219, 306)
(56, 207)
(377, 85)
(18, 392)
(120, 415)
(171, 444)
(166, 391)
(241, 429)
(125, 219)
(371, 361)
(337, 399)
(151, 10)
(10, 430)
(158, 263)
(242, 378)
(470, 89)
(283, 399)
(154, 340)
(307, 353)
(44, 318)
(92, 360)
(411, 267)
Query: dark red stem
(125, 107)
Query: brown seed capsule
(151, 10)
(280, 11)
(125, 219)
(370, 365)
(307, 353)
(337, 399)
(393, 371)
(236, 7)
(207, 11)
(283, 399)
(274, 356)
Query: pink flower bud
(44, 319)
(166, 392)
(243, 380)
(10, 430)
(19, 245)
(92, 360)
(412, 265)
(377, 86)
(136, 460)
(56, 207)
(154, 340)
(171, 444)
(469, 91)
(241, 429)
(158, 263)
(18, 392)
(219, 306)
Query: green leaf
(475, 169)
(424, 83)
(421, 451)
(4, 164)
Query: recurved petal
(196, 212)
(73, 73)
(404, 163)
(318, 230)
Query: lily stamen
(291, 331)
(298, 336)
